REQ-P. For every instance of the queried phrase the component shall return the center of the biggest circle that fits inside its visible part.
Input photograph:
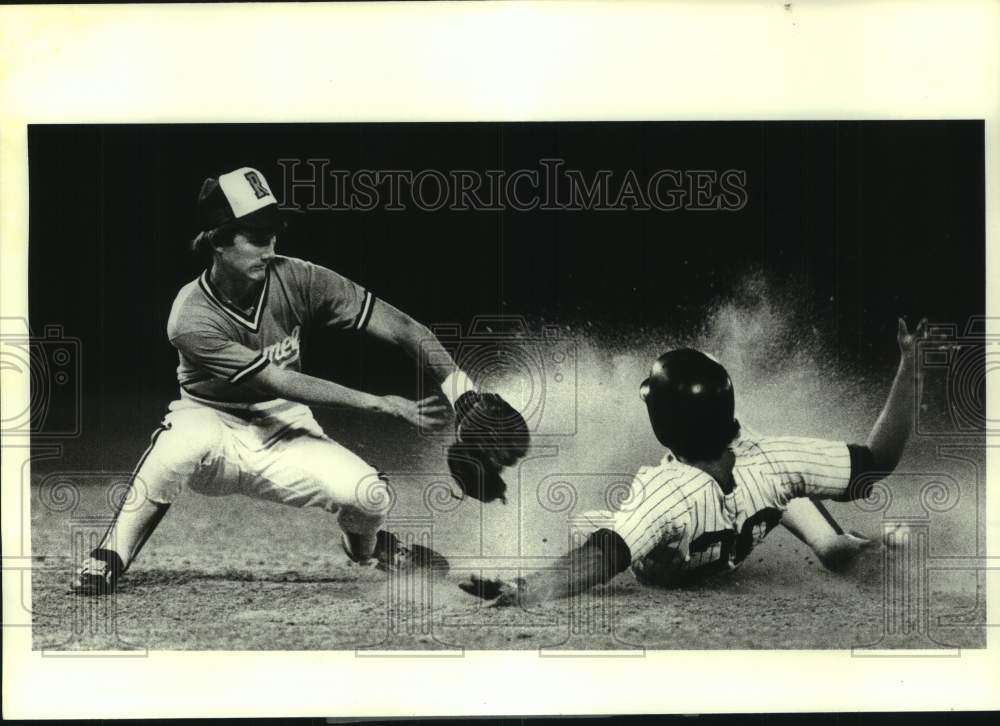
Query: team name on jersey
(284, 351)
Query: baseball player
(242, 424)
(718, 490)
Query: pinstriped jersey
(220, 346)
(678, 522)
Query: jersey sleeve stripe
(255, 366)
(361, 322)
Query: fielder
(718, 491)
(242, 424)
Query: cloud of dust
(787, 381)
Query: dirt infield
(233, 573)
(237, 574)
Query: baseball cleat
(392, 556)
(98, 575)
(389, 555)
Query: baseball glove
(491, 434)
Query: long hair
(205, 241)
(223, 236)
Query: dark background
(864, 221)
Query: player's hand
(503, 594)
(844, 551)
(430, 413)
(922, 335)
(908, 341)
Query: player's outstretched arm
(603, 556)
(490, 433)
(809, 520)
(428, 413)
(392, 325)
(892, 429)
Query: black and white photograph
(699, 378)
(584, 388)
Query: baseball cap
(241, 196)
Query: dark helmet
(690, 401)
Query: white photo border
(488, 61)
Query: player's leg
(809, 520)
(304, 468)
(363, 540)
(178, 450)
(99, 572)
(135, 520)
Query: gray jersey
(220, 347)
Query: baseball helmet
(690, 400)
